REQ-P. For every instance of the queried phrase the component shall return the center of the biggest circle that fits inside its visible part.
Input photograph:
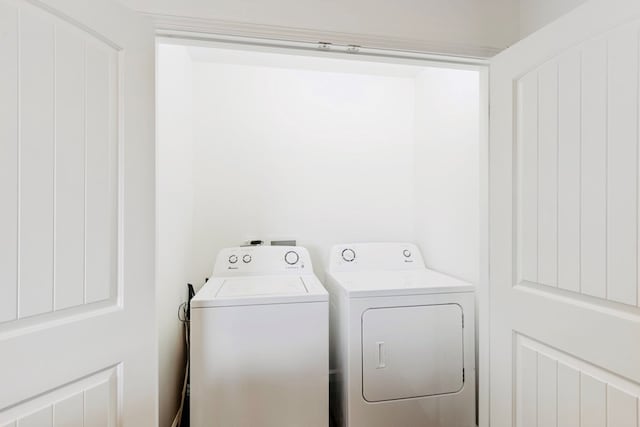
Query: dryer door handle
(381, 355)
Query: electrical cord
(184, 317)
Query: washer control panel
(375, 256)
(262, 260)
(348, 255)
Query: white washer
(259, 341)
(402, 340)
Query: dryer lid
(394, 283)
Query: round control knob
(348, 255)
(233, 259)
(406, 253)
(291, 257)
(246, 258)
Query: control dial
(406, 253)
(348, 255)
(246, 258)
(233, 259)
(291, 257)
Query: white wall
(174, 215)
(447, 170)
(335, 155)
(447, 26)
(534, 14)
(320, 157)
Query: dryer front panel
(410, 352)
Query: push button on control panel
(246, 258)
(291, 257)
(348, 255)
(233, 259)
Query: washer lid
(253, 290)
(254, 286)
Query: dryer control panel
(262, 260)
(375, 256)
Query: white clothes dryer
(259, 342)
(402, 343)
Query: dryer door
(411, 351)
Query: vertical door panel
(69, 167)
(98, 233)
(8, 162)
(69, 412)
(41, 418)
(594, 169)
(548, 175)
(37, 143)
(60, 164)
(569, 148)
(593, 402)
(568, 397)
(96, 403)
(556, 389)
(622, 166)
(547, 391)
(622, 408)
(527, 403)
(528, 157)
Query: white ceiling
(447, 25)
(482, 27)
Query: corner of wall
(174, 213)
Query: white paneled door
(564, 242)
(77, 335)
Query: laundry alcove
(317, 147)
